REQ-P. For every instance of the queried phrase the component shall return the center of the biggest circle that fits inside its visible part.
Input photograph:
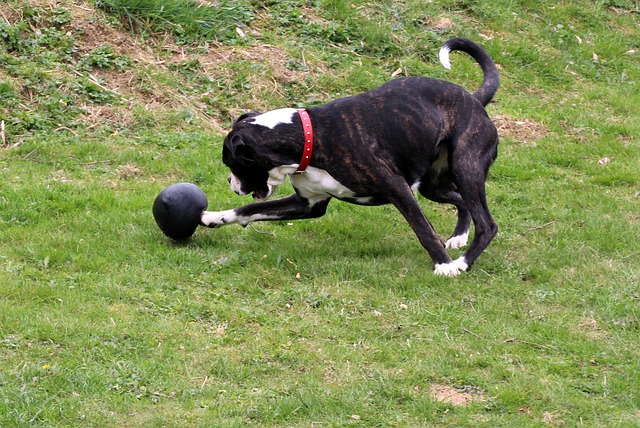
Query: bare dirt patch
(274, 57)
(440, 24)
(454, 396)
(519, 130)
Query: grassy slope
(336, 321)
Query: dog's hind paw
(452, 269)
(457, 241)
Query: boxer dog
(378, 147)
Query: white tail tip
(444, 57)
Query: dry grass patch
(589, 326)
(9, 14)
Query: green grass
(337, 321)
(188, 21)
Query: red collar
(308, 141)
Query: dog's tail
(491, 80)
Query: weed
(104, 58)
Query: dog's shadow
(346, 231)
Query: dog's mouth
(261, 195)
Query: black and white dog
(413, 133)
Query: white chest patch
(317, 184)
(273, 118)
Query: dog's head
(249, 168)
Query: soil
(521, 130)
(455, 396)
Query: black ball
(178, 210)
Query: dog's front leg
(293, 207)
(410, 209)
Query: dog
(379, 147)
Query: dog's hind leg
(439, 187)
(471, 184)
(460, 235)
(485, 228)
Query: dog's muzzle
(236, 186)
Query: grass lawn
(337, 321)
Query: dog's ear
(241, 151)
(246, 116)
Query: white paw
(446, 269)
(457, 241)
(217, 218)
(461, 263)
(452, 269)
